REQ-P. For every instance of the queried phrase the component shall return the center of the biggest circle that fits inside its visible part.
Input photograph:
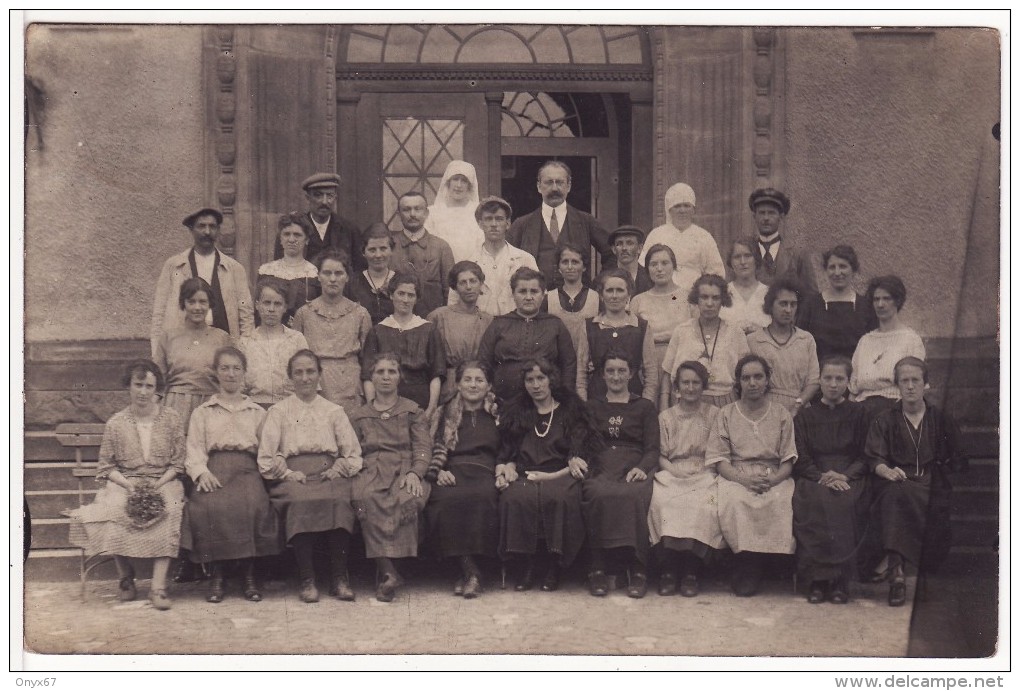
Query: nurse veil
(452, 217)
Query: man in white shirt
(778, 255)
(497, 257)
(696, 250)
(233, 311)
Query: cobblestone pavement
(426, 618)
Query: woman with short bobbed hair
(186, 354)
(753, 448)
(370, 287)
(298, 275)
(746, 291)
(336, 329)
(460, 324)
(873, 382)
(664, 306)
(524, 334)
(790, 351)
(708, 339)
(143, 446)
(837, 317)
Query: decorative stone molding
(764, 103)
(659, 109)
(225, 149)
(453, 73)
(330, 53)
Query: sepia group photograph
(535, 340)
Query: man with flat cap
(232, 310)
(695, 249)
(497, 258)
(555, 223)
(331, 229)
(778, 256)
(626, 242)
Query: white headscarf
(456, 224)
(678, 194)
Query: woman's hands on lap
(412, 483)
(578, 467)
(636, 475)
(446, 479)
(207, 482)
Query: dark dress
(422, 357)
(829, 525)
(629, 339)
(511, 339)
(463, 520)
(616, 511)
(550, 511)
(377, 302)
(836, 326)
(913, 515)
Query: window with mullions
(416, 151)
(548, 114)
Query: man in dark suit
(556, 223)
(777, 255)
(332, 230)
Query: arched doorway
(505, 98)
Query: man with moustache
(779, 256)
(420, 253)
(232, 309)
(627, 242)
(556, 223)
(333, 231)
(497, 257)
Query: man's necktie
(766, 257)
(554, 227)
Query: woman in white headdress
(695, 249)
(452, 217)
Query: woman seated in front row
(463, 510)
(309, 452)
(683, 519)
(753, 449)
(830, 504)
(228, 516)
(911, 447)
(616, 491)
(547, 436)
(389, 494)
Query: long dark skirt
(616, 514)
(235, 521)
(913, 517)
(550, 511)
(316, 505)
(463, 520)
(829, 527)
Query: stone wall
(889, 147)
(114, 162)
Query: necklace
(548, 425)
(385, 412)
(776, 340)
(916, 442)
(715, 342)
(371, 281)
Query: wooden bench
(81, 436)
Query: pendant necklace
(916, 442)
(704, 342)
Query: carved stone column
(221, 142)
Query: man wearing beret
(331, 230)
(555, 223)
(232, 310)
(778, 256)
(497, 258)
(626, 242)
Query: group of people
(464, 384)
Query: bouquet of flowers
(145, 506)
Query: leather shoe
(251, 590)
(215, 590)
(839, 594)
(667, 583)
(598, 583)
(308, 593)
(689, 586)
(816, 593)
(526, 581)
(126, 591)
(472, 587)
(458, 587)
(551, 581)
(897, 593)
(638, 587)
(387, 589)
(159, 600)
(747, 579)
(340, 588)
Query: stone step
(981, 472)
(975, 531)
(976, 500)
(50, 533)
(65, 565)
(50, 503)
(980, 441)
(42, 446)
(56, 476)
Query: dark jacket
(530, 233)
(341, 234)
